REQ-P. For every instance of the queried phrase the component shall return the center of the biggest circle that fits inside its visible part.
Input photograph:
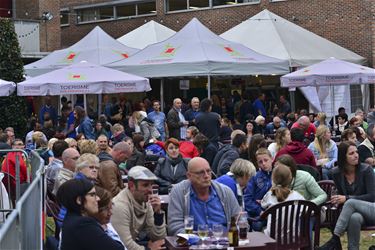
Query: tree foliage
(12, 108)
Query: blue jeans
(354, 214)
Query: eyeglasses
(92, 194)
(94, 167)
(74, 158)
(202, 172)
(18, 144)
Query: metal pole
(17, 177)
(85, 102)
(14, 9)
(162, 95)
(292, 99)
(100, 104)
(209, 87)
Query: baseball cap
(141, 173)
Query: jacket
(364, 183)
(148, 130)
(91, 235)
(109, 177)
(136, 159)
(179, 204)
(63, 175)
(209, 153)
(133, 220)
(224, 159)
(332, 153)
(174, 124)
(188, 150)
(208, 124)
(86, 128)
(257, 187)
(166, 177)
(299, 152)
(306, 185)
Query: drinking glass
(334, 192)
(203, 233)
(155, 191)
(189, 224)
(217, 231)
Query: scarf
(139, 211)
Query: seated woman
(302, 181)
(349, 135)
(87, 167)
(238, 177)
(282, 138)
(206, 149)
(79, 198)
(105, 212)
(280, 191)
(355, 185)
(171, 169)
(324, 150)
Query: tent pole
(100, 97)
(209, 87)
(162, 94)
(333, 108)
(85, 102)
(293, 100)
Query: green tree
(13, 110)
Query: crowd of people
(214, 160)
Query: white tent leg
(85, 102)
(100, 104)
(162, 94)
(209, 87)
(292, 100)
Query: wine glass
(334, 192)
(217, 231)
(203, 233)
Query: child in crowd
(258, 187)
(280, 191)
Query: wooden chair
(293, 230)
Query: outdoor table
(257, 241)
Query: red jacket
(9, 166)
(188, 150)
(300, 153)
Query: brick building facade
(349, 23)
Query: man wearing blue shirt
(158, 118)
(258, 106)
(191, 113)
(207, 201)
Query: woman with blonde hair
(87, 167)
(280, 191)
(87, 146)
(71, 142)
(324, 150)
(282, 138)
(321, 120)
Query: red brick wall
(346, 22)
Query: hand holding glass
(334, 193)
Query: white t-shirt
(270, 200)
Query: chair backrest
(293, 231)
(327, 186)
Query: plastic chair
(331, 214)
(293, 230)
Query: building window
(146, 8)
(95, 14)
(232, 2)
(197, 4)
(126, 10)
(64, 17)
(173, 5)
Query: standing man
(159, 119)
(176, 121)
(258, 106)
(208, 123)
(48, 108)
(209, 202)
(109, 176)
(192, 113)
(284, 106)
(137, 215)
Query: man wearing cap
(137, 216)
(209, 202)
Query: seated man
(208, 201)
(137, 216)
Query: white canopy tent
(6, 88)
(83, 78)
(330, 72)
(96, 47)
(197, 51)
(147, 34)
(280, 38)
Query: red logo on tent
(76, 76)
(125, 55)
(229, 49)
(71, 56)
(169, 51)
